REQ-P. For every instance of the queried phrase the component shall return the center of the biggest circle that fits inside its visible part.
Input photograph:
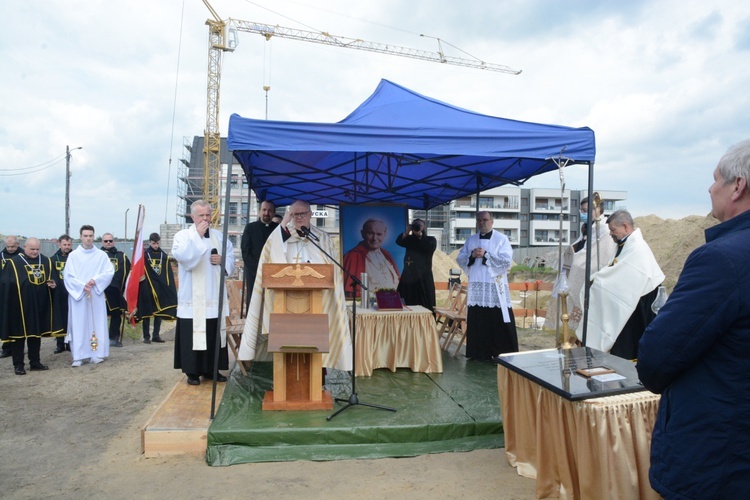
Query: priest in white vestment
(486, 258)
(621, 294)
(288, 244)
(88, 272)
(574, 267)
(197, 251)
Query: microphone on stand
(306, 231)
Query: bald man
(26, 298)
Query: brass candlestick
(565, 342)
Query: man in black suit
(253, 238)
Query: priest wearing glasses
(294, 242)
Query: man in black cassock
(417, 285)
(60, 293)
(157, 293)
(253, 238)
(116, 303)
(11, 249)
(26, 301)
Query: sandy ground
(72, 433)
(75, 432)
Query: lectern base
(326, 403)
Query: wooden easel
(298, 335)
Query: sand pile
(673, 240)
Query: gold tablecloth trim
(595, 448)
(397, 339)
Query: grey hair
(198, 203)
(304, 203)
(736, 162)
(620, 217)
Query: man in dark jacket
(417, 285)
(253, 238)
(696, 353)
(116, 303)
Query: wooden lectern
(298, 335)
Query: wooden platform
(180, 423)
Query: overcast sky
(664, 85)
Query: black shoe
(219, 378)
(59, 349)
(148, 341)
(193, 379)
(116, 344)
(34, 367)
(5, 354)
(157, 339)
(20, 370)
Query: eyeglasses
(300, 215)
(108, 241)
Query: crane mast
(222, 38)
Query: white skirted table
(397, 339)
(591, 448)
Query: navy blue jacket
(696, 353)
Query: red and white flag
(137, 270)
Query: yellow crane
(222, 37)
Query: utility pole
(67, 187)
(126, 224)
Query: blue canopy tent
(399, 147)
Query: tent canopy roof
(399, 147)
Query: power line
(8, 172)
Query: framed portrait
(368, 244)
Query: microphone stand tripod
(353, 399)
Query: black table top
(555, 369)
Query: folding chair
(454, 317)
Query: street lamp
(67, 187)
(126, 224)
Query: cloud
(663, 85)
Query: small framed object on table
(388, 300)
(595, 370)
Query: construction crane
(222, 37)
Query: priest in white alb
(197, 251)
(622, 292)
(88, 272)
(288, 244)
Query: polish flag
(137, 270)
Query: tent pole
(248, 212)
(222, 284)
(587, 281)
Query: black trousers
(17, 347)
(197, 362)
(115, 320)
(146, 323)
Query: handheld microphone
(214, 252)
(306, 231)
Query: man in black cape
(417, 285)
(116, 303)
(157, 293)
(60, 293)
(26, 301)
(11, 248)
